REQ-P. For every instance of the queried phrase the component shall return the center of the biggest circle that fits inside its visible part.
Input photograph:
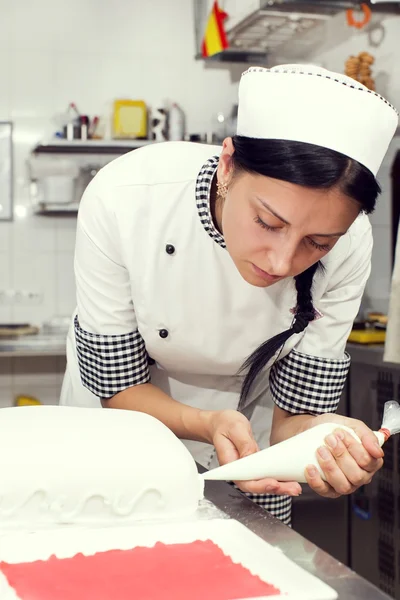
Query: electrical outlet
(7, 297)
(20, 298)
(28, 298)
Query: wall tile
(32, 70)
(5, 71)
(35, 25)
(36, 273)
(66, 297)
(65, 235)
(34, 235)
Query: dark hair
(310, 166)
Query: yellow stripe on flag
(213, 38)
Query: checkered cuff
(308, 384)
(109, 364)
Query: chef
(216, 287)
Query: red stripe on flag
(220, 17)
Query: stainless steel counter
(45, 344)
(42, 344)
(369, 355)
(308, 556)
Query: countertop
(314, 560)
(50, 344)
(348, 584)
(41, 344)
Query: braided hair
(310, 166)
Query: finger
(367, 455)
(319, 486)
(367, 437)
(333, 473)
(347, 464)
(226, 450)
(242, 437)
(270, 486)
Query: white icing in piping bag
(287, 461)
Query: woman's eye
(320, 247)
(264, 225)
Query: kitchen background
(54, 52)
(90, 53)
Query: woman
(205, 276)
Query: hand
(231, 434)
(346, 463)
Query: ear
(225, 163)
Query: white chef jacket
(155, 284)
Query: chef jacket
(159, 299)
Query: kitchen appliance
(265, 31)
(130, 119)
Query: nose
(281, 259)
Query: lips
(264, 275)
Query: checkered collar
(203, 192)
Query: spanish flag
(215, 39)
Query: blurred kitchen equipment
(55, 179)
(93, 133)
(84, 126)
(24, 400)
(359, 69)
(72, 124)
(130, 119)
(58, 189)
(57, 325)
(176, 123)
(12, 330)
(86, 174)
(159, 128)
(219, 127)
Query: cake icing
(87, 466)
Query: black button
(169, 249)
(163, 333)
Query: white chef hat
(309, 104)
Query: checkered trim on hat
(203, 192)
(353, 85)
(109, 364)
(279, 506)
(308, 384)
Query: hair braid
(305, 313)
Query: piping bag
(287, 461)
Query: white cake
(82, 466)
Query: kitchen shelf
(276, 31)
(51, 211)
(36, 345)
(60, 146)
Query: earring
(222, 190)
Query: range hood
(292, 29)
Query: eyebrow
(327, 235)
